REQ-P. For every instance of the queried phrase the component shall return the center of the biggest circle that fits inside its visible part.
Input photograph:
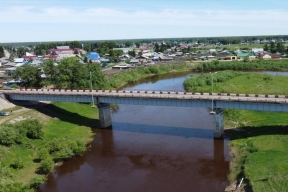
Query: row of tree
(69, 73)
(259, 64)
(275, 47)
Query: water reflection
(149, 149)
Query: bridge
(104, 98)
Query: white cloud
(167, 22)
(170, 17)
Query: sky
(75, 20)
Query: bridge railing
(180, 92)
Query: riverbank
(72, 121)
(259, 145)
(258, 140)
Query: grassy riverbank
(236, 82)
(259, 140)
(61, 122)
(133, 75)
(260, 149)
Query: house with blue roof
(93, 56)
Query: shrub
(14, 186)
(18, 163)
(64, 148)
(31, 128)
(36, 182)
(43, 154)
(8, 135)
(46, 166)
(153, 69)
(14, 86)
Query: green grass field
(249, 83)
(60, 120)
(260, 149)
(260, 142)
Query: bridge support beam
(218, 123)
(104, 115)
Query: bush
(43, 154)
(31, 128)
(36, 182)
(18, 163)
(14, 187)
(64, 148)
(8, 135)
(14, 86)
(46, 166)
(154, 69)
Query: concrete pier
(218, 123)
(104, 115)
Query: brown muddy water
(149, 149)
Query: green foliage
(154, 69)
(260, 64)
(29, 75)
(31, 128)
(8, 135)
(70, 73)
(7, 185)
(14, 86)
(36, 182)
(64, 148)
(133, 75)
(196, 83)
(14, 187)
(43, 154)
(2, 54)
(19, 132)
(18, 163)
(46, 166)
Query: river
(150, 149)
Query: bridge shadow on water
(163, 130)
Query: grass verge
(60, 120)
(260, 149)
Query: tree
(266, 48)
(280, 47)
(128, 43)
(132, 53)
(97, 77)
(2, 54)
(29, 75)
(273, 48)
(137, 44)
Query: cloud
(164, 17)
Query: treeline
(275, 47)
(47, 153)
(70, 73)
(260, 64)
(196, 83)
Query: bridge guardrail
(169, 92)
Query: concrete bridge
(104, 98)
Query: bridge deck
(153, 94)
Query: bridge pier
(104, 115)
(218, 123)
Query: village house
(248, 55)
(264, 56)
